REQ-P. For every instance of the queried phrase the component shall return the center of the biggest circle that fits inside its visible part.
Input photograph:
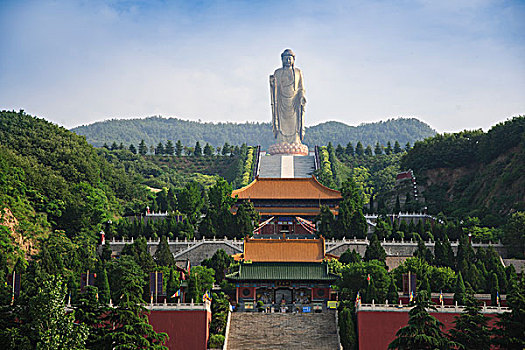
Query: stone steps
(304, 166)
(272, 166)
(250, 330)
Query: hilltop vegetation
(52, 179)
(156, 129)
(472, 173)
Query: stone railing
(440, 308)
(178, 306)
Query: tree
(89, 312)
(102, 283)
(397, 147)
(351, 220)
(339, 151)
(131, 329)
(368, 151)
(172, 285)
(378, 150)
(514, 235)
(349, 150)
(169, 149)
(159, 150)
(208, 150)
(178, 148)
(511, 333)
(114, 146)
(43, 321)
(392, 295)
(200, 280)
(191, 201)
(226, 149)
(423, 253)
(132, 149)
(375, 251)
(197, 151)
(326, 222)
(423, 330)
(163, 255)
(349, 257)
(140, 254)
(359, 149)
(143, 149)
(246, 219)
(471, 329)
(388, 149)
(347, 329)
(219, 262)
(459, 290)
(407, 146)
(397, 206)
(494, 288)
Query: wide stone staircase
(278, 166)
(250, 330)
(270, 166)
(303, 166)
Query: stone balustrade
(197, 250)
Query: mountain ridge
(157, 129)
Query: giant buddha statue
(288, 102)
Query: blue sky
(453, 64)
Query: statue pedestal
(296, 149)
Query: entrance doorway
(283, 294)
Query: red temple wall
(187, 329)
(377, 329)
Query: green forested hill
(51, 178)
(156, 129)
(473, 173)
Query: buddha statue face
(288, 60)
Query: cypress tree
(102, 283)
(349, 257)
(169, 149)
(459, 290)
(423, 330)
(351, 221)
(172, 286)
(471, 329)
(163, 255)
(326, 221)
(494, 288)
(397, 206)
(511, 332)
(388, 149)
(378, 150)
(375, 251)
(347, 330)
(197, 152)
(143, 149)
(132, 149)
(159, 150)
(178, 148)
(349, 150)
(397, 147)
(392, 296)
(208, 150)
(359, 149)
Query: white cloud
(77, 62)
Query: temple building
(287, 205)
(284, 274)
